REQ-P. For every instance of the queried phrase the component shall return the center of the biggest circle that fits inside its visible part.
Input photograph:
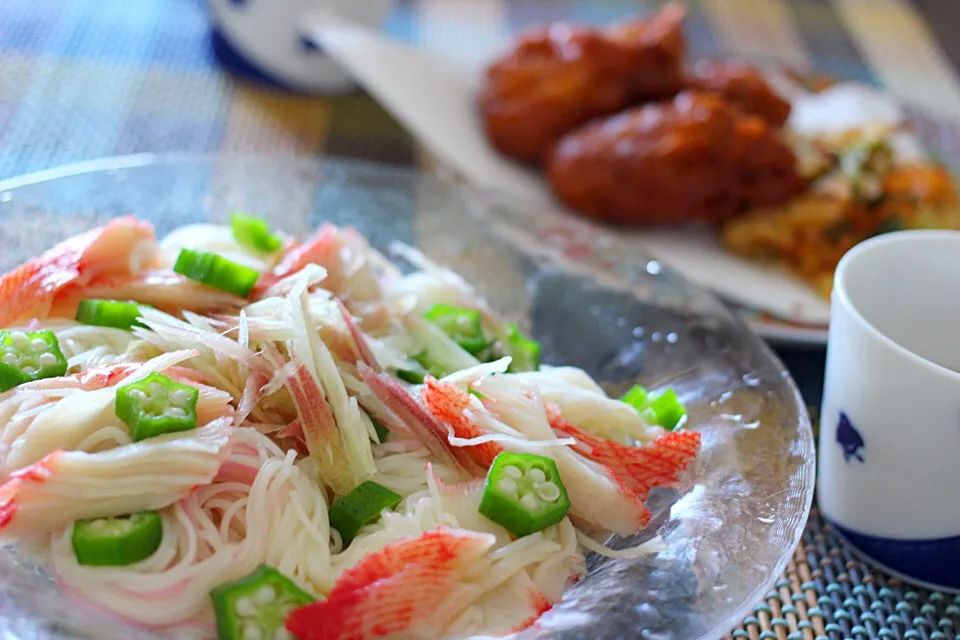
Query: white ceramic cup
(269, 37)
(889, 465)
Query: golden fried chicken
(694, 158)
(742, 85)
(766, 166)
(552, 81)
(656, 46)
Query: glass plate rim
(141, 160)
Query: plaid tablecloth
(81, 79)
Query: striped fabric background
(87, 78)
(82, 79)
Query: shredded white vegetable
(650, 547)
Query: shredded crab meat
(36, 289)
(66, 486)
(77, 412)
(160, 288)
(584, 404)
(261, 508)
(596, 496)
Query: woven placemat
(830, 592)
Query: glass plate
(590, 301)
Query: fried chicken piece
(742, 85)
(766, 165)
(694, 158)
(552, 81)
(657, 46)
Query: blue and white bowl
(267, 41)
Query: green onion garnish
(216, 271)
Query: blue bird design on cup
(309, 45)
(849, 438)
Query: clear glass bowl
(590, 302)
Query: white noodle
(654, 545)
(506, 439)
(73, 485)
(466, 377)
(279, 519)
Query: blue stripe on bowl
(933, 562)
(238, 64)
